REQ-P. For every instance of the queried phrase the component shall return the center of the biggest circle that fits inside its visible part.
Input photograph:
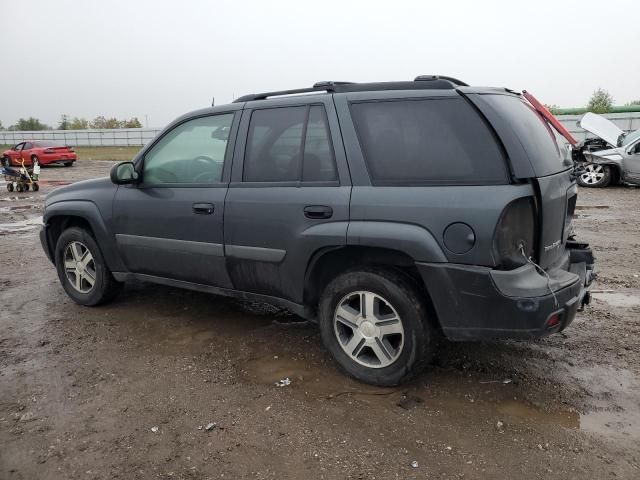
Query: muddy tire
(82, 270)
(376, 325)
(68, 164)
(9, 187)
(595, 176)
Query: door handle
(318, 212)
(203, 208)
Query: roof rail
(420, 82)
(431, 78)
(327, 86)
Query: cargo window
(534, 133)
(430, 141)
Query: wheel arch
(83, 214)
(329, 262)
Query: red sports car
(42, 151)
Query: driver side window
(193, 152)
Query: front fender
(88, 211)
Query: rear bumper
(475, 303)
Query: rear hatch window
(427, 141)
(534, 133)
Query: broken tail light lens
(514, 238)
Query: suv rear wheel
(82, 270)
(375, 325)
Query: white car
(613, 157)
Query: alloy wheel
(369, 329)
(79, 267)
(593, 174)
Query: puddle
(619, 299)
(21, 226)
(615, 398)
(524, 411)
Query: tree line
(601, 101)
(32, 124)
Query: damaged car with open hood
(612, 157)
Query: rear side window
(434, 141)
(289, 144)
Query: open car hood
(601, 127)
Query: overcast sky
(162, 58)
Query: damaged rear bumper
(475, 303)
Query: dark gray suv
(392, 213)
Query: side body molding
(415, 241)
(88, 211)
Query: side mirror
(124, 172)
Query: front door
(171, 224)
(15, 153)
(631, 163)
(25, 154)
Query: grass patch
(118, 154)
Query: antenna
(213, 101)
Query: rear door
(534, 152)
(171, 224)
(289, 194)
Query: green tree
(98, 122)
(79, 124)
(30, 124)
(132, 123)
(601, 101)
(1, 127)
(64, 123)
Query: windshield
(630, 138)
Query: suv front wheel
(82, 270)
(376, 326)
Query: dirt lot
(127, 390)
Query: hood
(85, 190)
(601, 127)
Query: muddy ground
(127, 390)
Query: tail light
(515, 235)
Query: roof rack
(438, 82)
(328, 86)
(455, 81)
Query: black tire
(10, 187)
(35, 187)
(26, 187)
(105, 286)
(419, 335)
(19, 188)
(68, 164)
(595, 176)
